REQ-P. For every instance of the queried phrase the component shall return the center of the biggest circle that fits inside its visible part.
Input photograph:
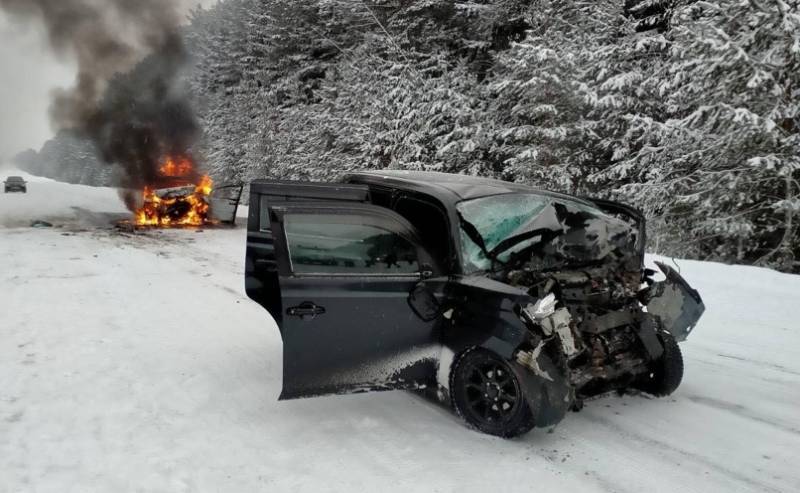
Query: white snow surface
(137, 363)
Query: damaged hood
(542, 233)
(573, 237)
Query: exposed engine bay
(585, 265)
(607, 315)
(607, 337)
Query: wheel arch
(547, 392)
(490, 321)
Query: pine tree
(725, 172)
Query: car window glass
(496, 218)
(343, 244)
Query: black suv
(514, 304)
(15, 184)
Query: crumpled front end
(607, 326)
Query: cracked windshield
(495, 219)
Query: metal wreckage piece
(675, 303)
(562, 309)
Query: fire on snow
(178, 206)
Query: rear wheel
(487, 394)
(666, 372)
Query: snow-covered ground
(136, 363)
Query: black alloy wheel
(488, 395)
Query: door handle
(306, 311)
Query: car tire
(666, 372)
(486, 393)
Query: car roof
(15, 178)
(448, 187)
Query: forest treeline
(689, 110)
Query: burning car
(516, 304)
(192, 200)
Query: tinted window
(344, 244)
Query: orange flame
(176, 166)
(206, 186)
(176, 209)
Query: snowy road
(136, 363)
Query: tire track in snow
(666, 448)
(742, 412)
(725, 368)
(761, 364)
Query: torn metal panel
(675, 303)
(530, 359)
(541, 310)
(552, 321)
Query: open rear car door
(336, 273)
(224, 202)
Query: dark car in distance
(15, 184)
(513, 304)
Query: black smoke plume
(128, 97)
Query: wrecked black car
(514, 304)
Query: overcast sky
(28, 73)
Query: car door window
(341, 244)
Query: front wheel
(487, 394)
(666, 372)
